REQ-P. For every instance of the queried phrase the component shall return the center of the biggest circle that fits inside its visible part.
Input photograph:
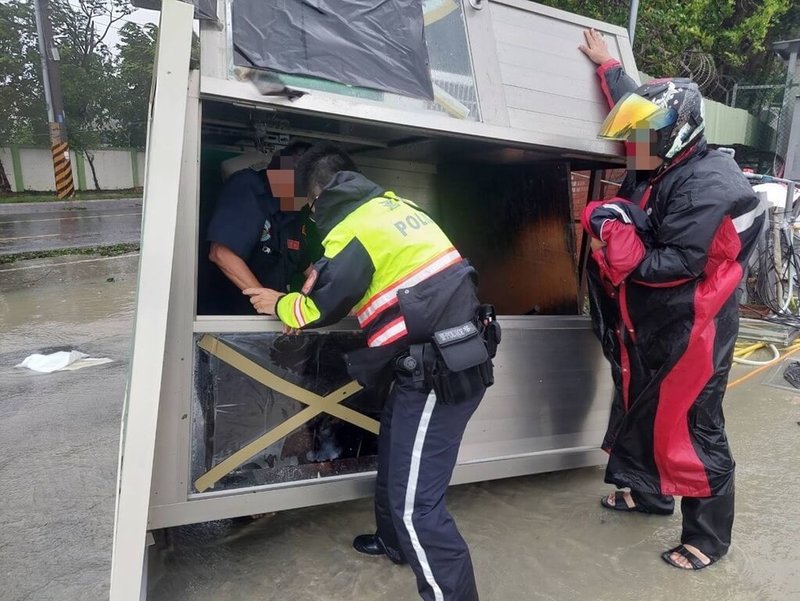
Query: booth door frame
(160, 218)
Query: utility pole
(51, 79)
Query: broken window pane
(266, 390)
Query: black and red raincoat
(665, 306)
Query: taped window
(365, 43)
(270, 408)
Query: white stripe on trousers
(411, 493)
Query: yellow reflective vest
(375, 244)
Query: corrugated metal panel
(549, 86)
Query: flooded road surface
(59, 433)
(540, 537)
(86, 224)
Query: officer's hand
(263, 299)
(290, 331)
(596, 48)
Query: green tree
(88, 78)
(135, 60)
(135, 64)
(718, 42)
(22, 118)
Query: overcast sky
(139, 15)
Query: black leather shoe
(371, 544)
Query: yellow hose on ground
(743, 351)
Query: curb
(8, 258)
(17, 208)
(67, 269)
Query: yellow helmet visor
(634, 112)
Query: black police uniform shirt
(247, 219)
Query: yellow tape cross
(316, 404)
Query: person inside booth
(260, 234)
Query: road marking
(72, 217)
(29, 237)
(53, 265)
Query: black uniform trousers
(417, 451)
(707, 521)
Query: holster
(455, 363)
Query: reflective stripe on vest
(391, 332)
(388, 296)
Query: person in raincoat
(668, 257)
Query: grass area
(102, 251)
(85, 195)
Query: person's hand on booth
(263, 299)
(596, 47)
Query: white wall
(8, 166)
(114, 169)
(140, 162)
(37, 169)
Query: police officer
(387, 260)
(257, 235)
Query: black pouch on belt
(463, 363)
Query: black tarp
(369, 43)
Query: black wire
(763, 276)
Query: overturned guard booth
(479, 111)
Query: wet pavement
(538, 537)
(33, 227)
(59, 433)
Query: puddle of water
(66, 304)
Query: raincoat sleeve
(618, 223)
(682, 241)
(614, 82)
(337, 282)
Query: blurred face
(639, 150)
(282, 184)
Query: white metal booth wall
(549, 407)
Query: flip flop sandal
(619, 503)
(693, 559)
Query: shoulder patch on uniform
(293, 244)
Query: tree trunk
(90, 157)
(5, 185)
